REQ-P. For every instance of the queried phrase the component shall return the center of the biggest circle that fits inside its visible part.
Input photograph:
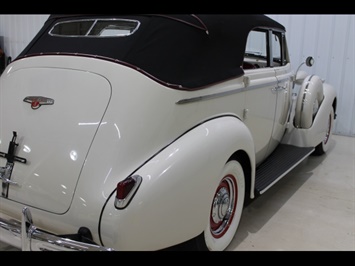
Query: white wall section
(328, 38)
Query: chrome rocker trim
(27, 237)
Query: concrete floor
(310, 209)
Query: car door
(283, 90)
(261, 93)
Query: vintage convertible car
(142, 132)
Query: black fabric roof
(182, 51)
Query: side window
(256, 51)
(264, 48)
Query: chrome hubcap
(223, 206)
(220, 206)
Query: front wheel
(322, 147)
(226, 209)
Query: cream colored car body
(110, 121)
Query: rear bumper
(24, 235)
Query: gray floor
(310, 209)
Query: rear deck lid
(56, 113)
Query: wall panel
(330, 40)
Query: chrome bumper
(26, 236)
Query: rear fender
(173, 201)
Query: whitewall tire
(226, 208)
(323, 147)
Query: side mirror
(298, 78)
(309, 61)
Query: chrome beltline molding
(210, 96)
(225, 93)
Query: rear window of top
(95, 28)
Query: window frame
(94, 22)
(269, 46)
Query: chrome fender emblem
(37, 101)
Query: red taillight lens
(124, 187)
(126, 190)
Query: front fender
(319, 127)
(310, 92)
(173, 202)
(311, 137)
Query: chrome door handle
(278, 88)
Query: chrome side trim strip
(209, 96)
(26, 236)
(225, 93)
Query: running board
(278, 164)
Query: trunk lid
(55, 137)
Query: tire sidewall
(326, 143)
(235, 169)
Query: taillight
(126, 190)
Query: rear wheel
(226, 209)
(322, 147)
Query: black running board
(278, 164)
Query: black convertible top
(181, 51)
